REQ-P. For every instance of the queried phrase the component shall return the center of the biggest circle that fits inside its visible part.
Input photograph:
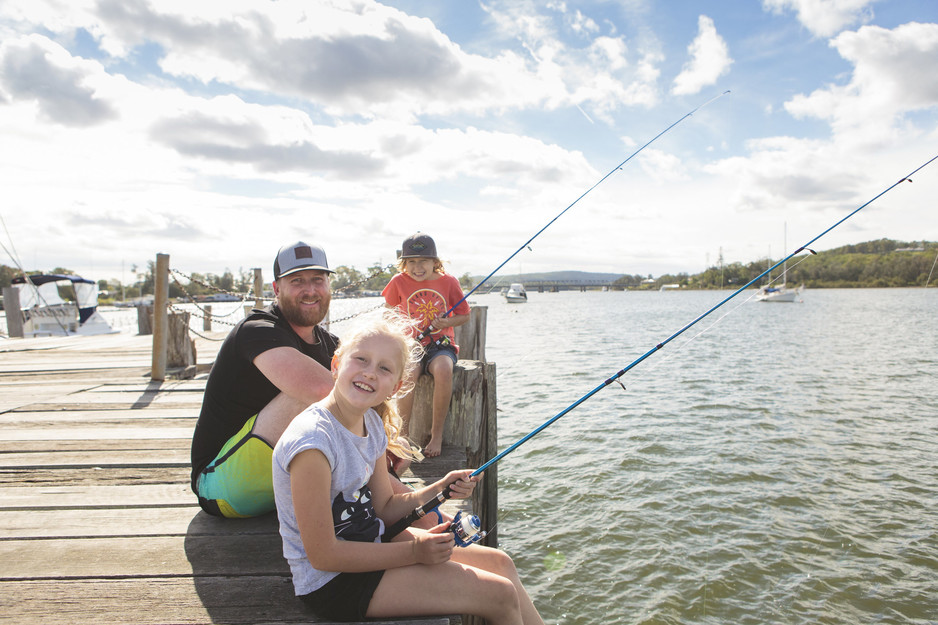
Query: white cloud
(888, 80)
(825, 17)
(34, 69)
(710, 59)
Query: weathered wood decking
(97, 521)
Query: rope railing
(204, 314)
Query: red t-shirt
(427, 300)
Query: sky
(217, 132)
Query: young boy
(424, 292)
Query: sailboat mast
(785, 256)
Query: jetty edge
(97, 520)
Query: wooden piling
(11, 307)
(258, 288)
(160, 319)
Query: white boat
(45, 313)
(770, 293)
(516, 294)
(777, 294)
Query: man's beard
(300, 316)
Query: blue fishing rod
(572, 204)
(422, 510)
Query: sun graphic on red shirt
(425, 305)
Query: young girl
(334, 497)
(424, 292)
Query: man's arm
(301, 380)
(295, 374)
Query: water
(779, 467)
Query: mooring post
(11, 304)
(160, 318)
(207, 319)
(258, 288)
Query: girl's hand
(434, 546)
(460, 484)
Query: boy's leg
(441, 368)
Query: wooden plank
(81, 459)
(105, 446)
(141, 422)
(257, 600)
(83, 523)
(49, 419)
(148, 556)
(95, 433)
(50, 497)
(62, 477)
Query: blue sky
(218, 133)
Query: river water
(776, 463)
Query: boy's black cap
(418, 245)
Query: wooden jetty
(97, 520)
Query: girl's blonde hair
(391, 323)
(437, 265)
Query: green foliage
(882, 263)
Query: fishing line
(446, 493)
(572, 204)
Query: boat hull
(777, 295)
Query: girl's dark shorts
(345, 597)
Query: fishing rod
(446, 493)
(572, 204)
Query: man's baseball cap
(418, 245)
(297, 257)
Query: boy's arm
(449, 322)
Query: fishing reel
(467, 529)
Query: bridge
(554, 286)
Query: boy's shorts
(238, 483)
(433, 350)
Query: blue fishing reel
(467, 529)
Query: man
(272, 365)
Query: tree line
(881, 263)
(874, 264)
(348, 280)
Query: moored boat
(45, 312)
(516, 294)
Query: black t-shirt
(236, 390)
